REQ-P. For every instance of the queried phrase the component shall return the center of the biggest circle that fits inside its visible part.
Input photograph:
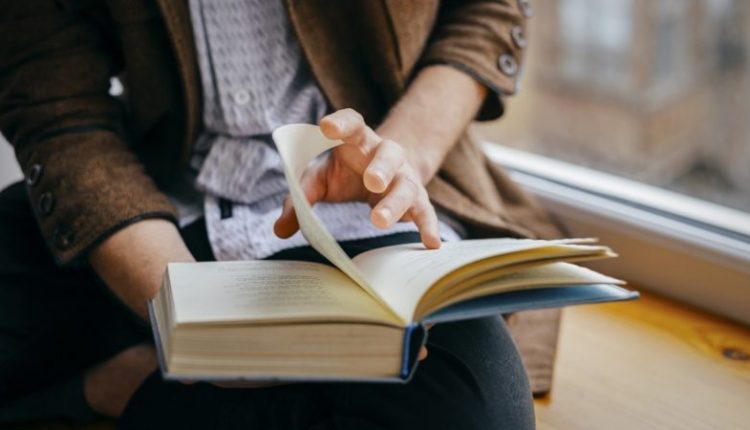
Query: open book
(362, 318)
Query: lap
(472, 379)
(55, 322)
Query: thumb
(286, 225)
(422, 353)
(313, 186)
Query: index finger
(349, 126)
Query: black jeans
(55, 323)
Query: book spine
(415, 336)
(160, 353)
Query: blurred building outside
(653, 90)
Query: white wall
(9, 170)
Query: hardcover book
(360, 318)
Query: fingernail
(380, 175)
(386, 215)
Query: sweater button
(46, 203)
(35, 173)
(507, 65)
(62, 237)
(241, 97)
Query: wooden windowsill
(648, 364)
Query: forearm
(132, 261)
(431, 116)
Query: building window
(595, 37)
(657, 91)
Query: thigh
(160, 404)
(472, 378)
(53, 322)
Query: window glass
(654, 90)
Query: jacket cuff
(85, 186)
(486, 40)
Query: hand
(365, 168)
(423, 351)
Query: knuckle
(412, 185)
(353, 114)
(394, 148)
(418, 210)
(425, 209)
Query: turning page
(298, 145)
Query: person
(179, 166)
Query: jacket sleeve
(485, 39)
(55, 109)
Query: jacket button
(526, 9)
(35, 173)
(519, 38)
(62, 237)
(46, 203)
(508, 65)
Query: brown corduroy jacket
(95, 163)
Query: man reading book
(181, 167)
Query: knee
(501, 402)
(508, 406)
(498, 397)
(481, 376)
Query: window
(670, 64)
(595, 38)
(633, 125)
(656, 91)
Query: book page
(402, 274)
(548, 275)
(298, 144)
(263, 290)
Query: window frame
(698, 252)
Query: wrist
(427, 126)
(132, 261)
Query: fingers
(359, 140)
(286, 225)
(408, 200)
(424, 216)
(384, 172)
(349, 126)
(388, 159)
(378, 160)
(314, 187)
(422, 353)
(401, 197)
